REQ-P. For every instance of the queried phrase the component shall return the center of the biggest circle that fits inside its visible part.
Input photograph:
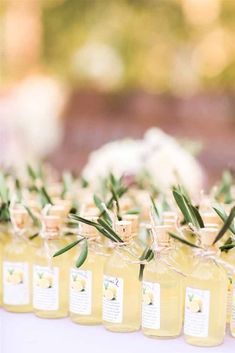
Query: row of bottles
(180, 284)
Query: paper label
(80, 291)
(112, 299)
(197, 310)
(151, 305)
(16, 283)
(45, 288)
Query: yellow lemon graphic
(148, 298)
(110, 292)
(196, 305)
(15, 277)
(230, 285)
(45, 281)
(79, 284)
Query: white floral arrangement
(160, 155)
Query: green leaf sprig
(189, 211)
(223, 192)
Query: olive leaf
(222, 214)
(226, 225)
(67, 182)
(147, 255)
(45, 198)
(31, 172)
(18, 189)
(110, 230)
(182, 240)
(67, 247)
(83, 254)
(31, 237)
(134, 211)
(224, 189)
(190, 212)
(103, 213)
(228, 245)
(36, 221)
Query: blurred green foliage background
(158, 45)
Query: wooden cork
(89, 231)
(19, 217)
(124, 230)
(134, 219)
(208, 236)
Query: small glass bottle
(17, 265)
(162, 291)
(86, 288)
(206, 295)
(121, 285)
(50, 274)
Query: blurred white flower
(157, 153)
(98, 63)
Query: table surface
(25, 333)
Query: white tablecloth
(25, 333)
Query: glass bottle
(162, 291)
(50, 274)
(85, 303)
(17, 265)
(206, 295)
(121, 285)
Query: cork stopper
(134, 219)
(52, 225)
(19, 217)
(65, 204)
(89, 231)
(208, 236)
(210, 217)
(169, 218)
(123, 229)
(163, 239)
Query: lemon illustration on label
(147, 297)
(44, 280)
(230, 284)
(194, 304)
(78, 284)
(110, 291)
(15, 276)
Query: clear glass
(43, 258)
(229, 257)
(94, 265)
(120, 265)
(207, 275)
(171, 297)
(18, 250)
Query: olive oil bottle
(50, 275)
(86, 287)
(121, 285)
(162, 291)
(206, 295)
(17, 265)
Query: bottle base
(121, 328)
(85, 320)
(18, 309)
(160, 335)
(50, 315)
(194, 341)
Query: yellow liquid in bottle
(229, 257)
(121, 293)
(1, 279)
(232, 318)
(162, 300)
(205, 304)
(50, 281)
(17, 276)
(86, 288)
